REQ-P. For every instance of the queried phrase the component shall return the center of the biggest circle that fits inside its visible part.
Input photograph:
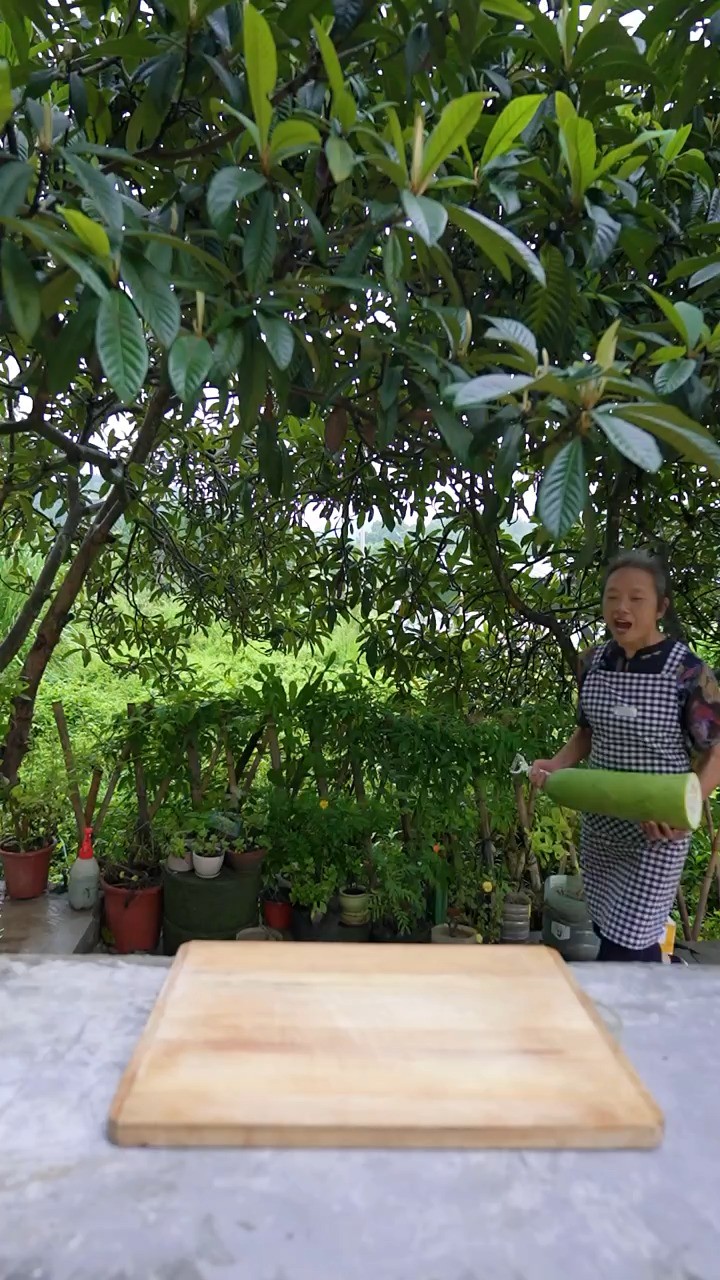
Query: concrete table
(72, 1207)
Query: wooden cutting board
(338, 1045)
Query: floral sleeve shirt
(697, 686)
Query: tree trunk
(30, 611)
(56, 615)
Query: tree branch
(538, 617)
(30, 611)
(74, 452)
(56, 615)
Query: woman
(647, 704)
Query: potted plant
(247, 834)
(32, 817)
(277, 908)
(322, 845)
(208, 854)
(132, 894)
(355, 905)
(399, 903)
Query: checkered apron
(630, 883)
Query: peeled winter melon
(674, 798)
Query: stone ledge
(46, 926)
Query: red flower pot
(26, 871)
(133, 916)
(278, 915)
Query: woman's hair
(651, 565)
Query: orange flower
(436, 848)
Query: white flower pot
(207, 868)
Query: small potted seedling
(208, 854)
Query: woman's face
(631, 609)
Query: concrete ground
(73, 1207)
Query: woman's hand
(657, 831)
(540, 772)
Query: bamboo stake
(196, 786)
(319, 769)
(140, 785)
(709, 874)
(255, 765)
(357, 777)
(92, 795)
(684, 915)
(530, 860)
(73, 789)
(212, 765)
(230, 766)
(160, 796)
(110, 790)
(274, 745)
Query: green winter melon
(674, 798)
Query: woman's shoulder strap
(680, 656)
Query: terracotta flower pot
(278, 915)
(134, 916)
(245, 861)
(26, 871)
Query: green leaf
(710, 272)
(6, 98)
(510, 9)
(607, 346)
(91, 234)
(456, 122)
(15, 178)
(517, 334)
(260, 244)
(672, 375)
(229, 350)
(153, 297)
(509, 453)
(291, 138)
(578, 145)
(100, 190)
(75, 340)
(457, 437)
(605, 237)
(279, 338)
(227, 188)
(686, 320)
(564, 491)
(121, 345)
(489, 386)
(270, 461)
(511, 122)
(344, 107)
(260, 68)
(347, 15)
(683, 434)
(189, 364)
(428, 217)
(693, 320)
(340, 157)
(21, 290)
(497, 242)
(632, 442)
